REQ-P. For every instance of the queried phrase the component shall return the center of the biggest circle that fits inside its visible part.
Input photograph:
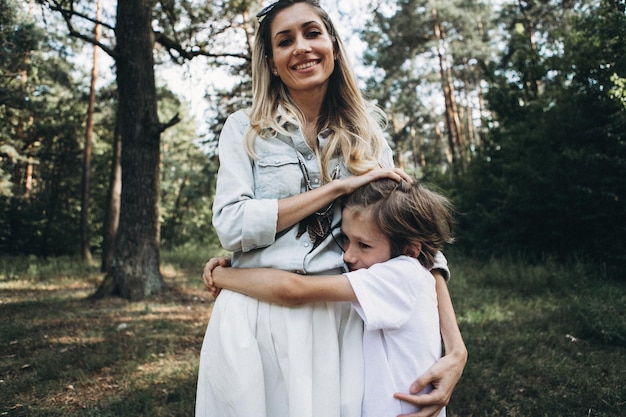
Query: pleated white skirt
(265, 360)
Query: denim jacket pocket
(278, 176)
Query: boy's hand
(207, 277)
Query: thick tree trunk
(134, 272)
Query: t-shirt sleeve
(386, 293)
(441, 263)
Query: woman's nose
(301, 47)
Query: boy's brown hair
(408, 215)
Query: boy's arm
(282, 287)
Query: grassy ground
(544, 340)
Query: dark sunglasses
(265, 11)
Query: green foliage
(545, 177)
(18, 38)
(42, 214)
(550, 174)
(187, 176)
(409, 56)
(618, 92)
(43, 217)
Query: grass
(61, 355)
(544, 340)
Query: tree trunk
(112, 215)
(84, 211)
(134, 272)
(451, 114)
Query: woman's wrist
(454, 347)
(457, 351)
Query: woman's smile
(306, 65)
(303, 53)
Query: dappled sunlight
(23, 291)
(511, 309)
(486, 314)
(67, 354)
(164, 368)
(73, 341)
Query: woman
(308, 139)
(391, 234)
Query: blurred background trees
(516, 110)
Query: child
(391, 233)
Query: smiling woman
(308, 139)
(303, 55)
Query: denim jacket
(245, 209)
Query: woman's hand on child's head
(400, 175)
(355, 181)
(207, 276)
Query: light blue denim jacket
(245, 209)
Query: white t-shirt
(397, 300)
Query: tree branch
(181, 52)
(70, 13)
(174, 120)
(67, 16)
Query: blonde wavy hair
(355, 126)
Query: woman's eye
(364, 245)
(314, 34)
(284, 42)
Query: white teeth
(306, 65)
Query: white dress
(259, 359)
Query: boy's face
(364, 244)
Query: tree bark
(451, 113)
(112, 215)
(134, 273)
(84, 212)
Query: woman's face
(364, 244)
(303, 53)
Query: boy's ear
(413, 250)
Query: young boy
(391, 233)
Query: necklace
(318, 224)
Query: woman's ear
(273, 69)
(413, 250)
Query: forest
(515, 109)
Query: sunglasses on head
(265, 11)
(268, 9)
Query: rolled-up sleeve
(242, 222)
(441, 264)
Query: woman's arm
(445, 373)
(293, 209)
(281, 287)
